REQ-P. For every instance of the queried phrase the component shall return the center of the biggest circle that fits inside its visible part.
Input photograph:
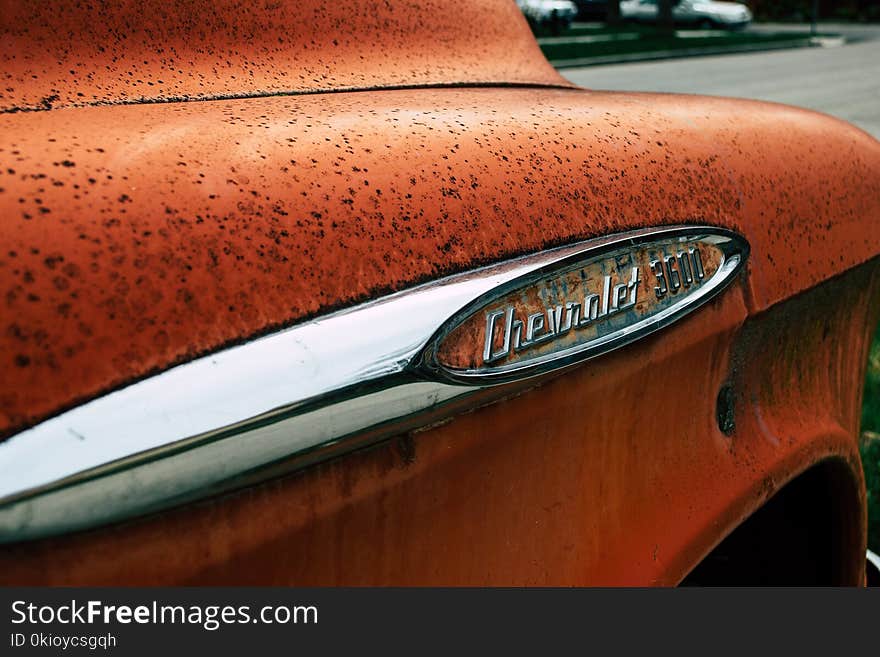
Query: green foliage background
(870, 443)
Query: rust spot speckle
(143, 263)
(132, 51)
(171, 229)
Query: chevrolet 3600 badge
(586, 303)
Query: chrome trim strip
(301, 395)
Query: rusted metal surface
(75, 52)
(569, 483)
(135, 237)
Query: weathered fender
(220, 206)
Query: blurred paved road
(842, 81)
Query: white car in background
(549, 12)
(706, 14)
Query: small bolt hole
(724, 411)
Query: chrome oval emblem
(604, 296)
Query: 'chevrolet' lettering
(521, 333)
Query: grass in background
(870, 443)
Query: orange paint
(141, 235)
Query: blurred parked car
(553, 13)
(692, 13)
(592, 10)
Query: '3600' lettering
(675, 272)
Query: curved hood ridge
(72, 53)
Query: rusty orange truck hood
(179, 177)
(137, 237)
(67, 53)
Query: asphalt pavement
(843, 81)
